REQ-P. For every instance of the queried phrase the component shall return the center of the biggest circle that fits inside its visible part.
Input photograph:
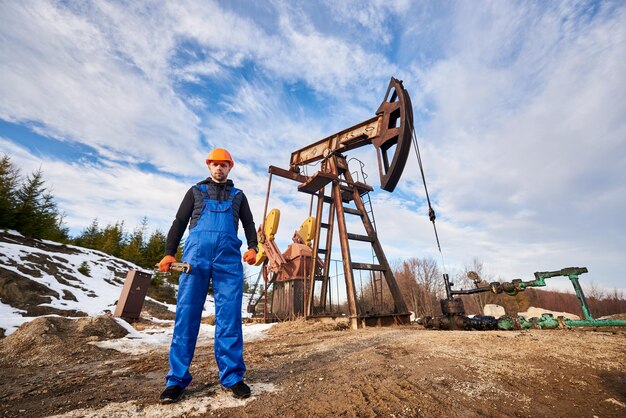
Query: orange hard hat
(220, 154)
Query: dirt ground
(321, 370)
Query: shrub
(84, 269)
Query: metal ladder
(375, 277)
(344, 190)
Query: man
(213, 209)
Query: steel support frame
(336, 165)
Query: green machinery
(454, 318)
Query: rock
(493, 310)
(533, 312)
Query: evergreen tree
(61, 233)
(36, 213)
(27, 203)
(155, 249)
(90, 237)
(84, 268)
(113, 239)
(134, 250)
(9, 178)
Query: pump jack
(390, 130)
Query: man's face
(219, 170)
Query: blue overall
(212, 249)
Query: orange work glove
(164, 265)
(250, 256)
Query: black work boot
(171, 394)
(240, 390)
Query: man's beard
(220, 177)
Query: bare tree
(593, 290)
(472, 276)
(421, 285)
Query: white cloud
(63, 72)
(110, 192)
(107, 68)
(519, 109)
(372, 20)
(193, 72)
(297, 50)
(524, 138)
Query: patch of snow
(11, 318)
(159, 338)
(199, 403)
(132, 332)
(13, 232)
(253, 332)
(159, 320)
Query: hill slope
(39, 277)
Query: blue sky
(520, 110)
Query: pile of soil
(301, 326)
(53, 339)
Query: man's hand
(250, 256)
(164, 264)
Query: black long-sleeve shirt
(191, 207)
